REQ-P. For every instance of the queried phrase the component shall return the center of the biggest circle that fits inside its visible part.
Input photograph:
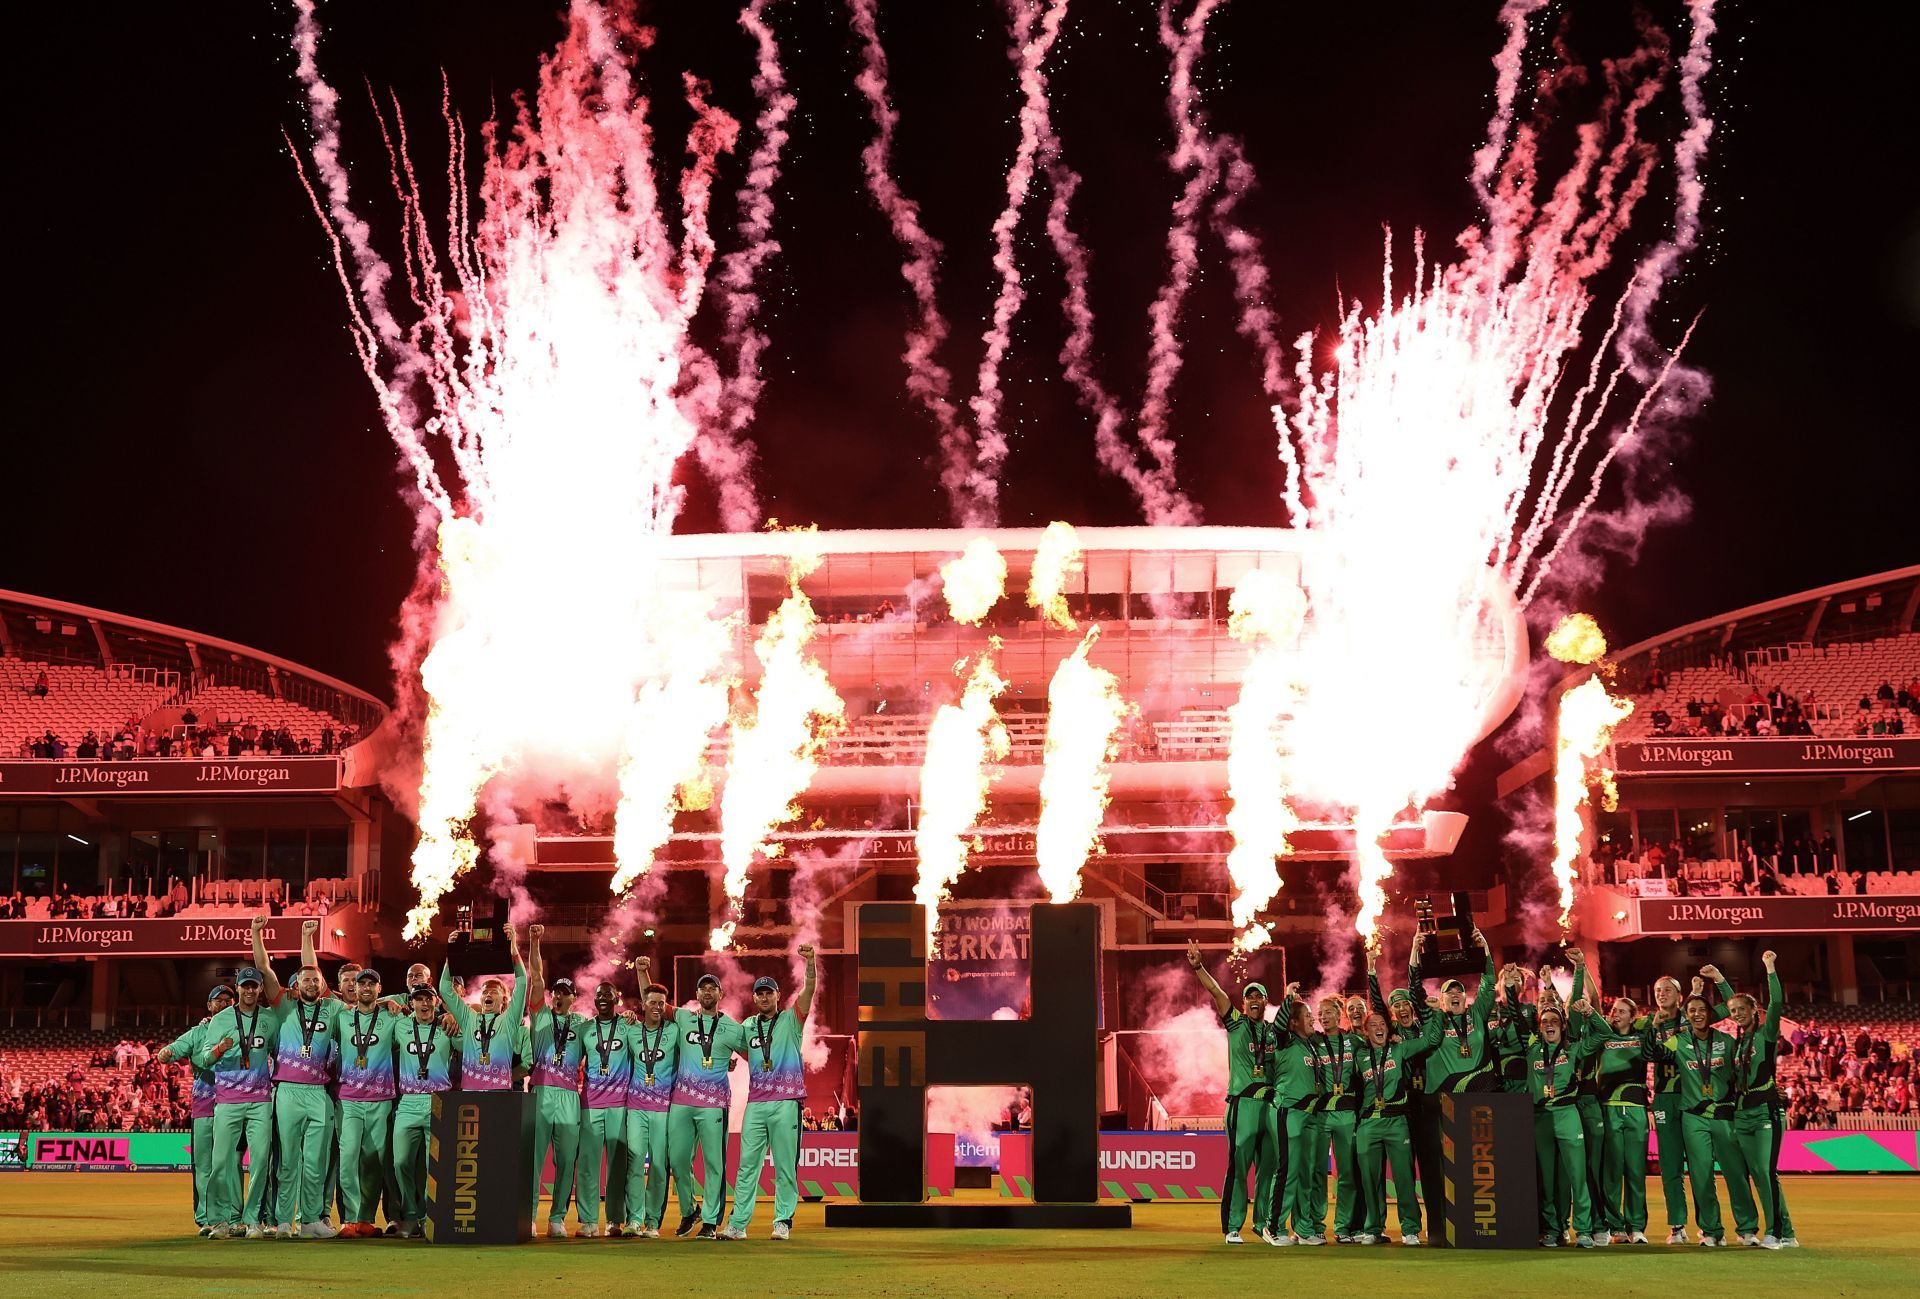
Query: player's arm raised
(803, 1004)
(1221, 1002)
(270, 982)
(536, 979)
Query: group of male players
(305, 1098)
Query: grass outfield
(129, 1236)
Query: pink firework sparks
(537, 391)
(1439, 443)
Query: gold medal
(706, 1062)
(486, 1057)
(649, 1080)
(359, 1062)
(1549, 1089)
(766, 1066)
(1259, 1071)
(603, 1071)
(1463, 1049)
(306, 1053)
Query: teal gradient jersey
(554, 1048)
(771, 1044)
(308, 1040)
(707, 1044)
(422, 1055)
(487, 1042)
(245, 1072)
(184, 1047)
(366, 1054)
(656, 1063)
(606, 1047)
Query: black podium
(479, 1168)
(1489, 1189)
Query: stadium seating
(79, 699)
(42, 1068)
(1837, 675)
(224, 706)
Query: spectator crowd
(1828, 1074)
(139, 1094)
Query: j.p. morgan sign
(1765, 757)
(213, 936)
(1857, 913)
(261, 775)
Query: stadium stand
(79, 698)
(1850, 1066)
(1825, 686)
(60, 1079)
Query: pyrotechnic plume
(1084, 713)
(775, 752)
(961, 740)
(1438, 445)
(1585, 723)
(1056, 561)
(1264, 613)
(971, 456)
(534, 393)
(726, 405)
(974, 581)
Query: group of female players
(1364, 1082)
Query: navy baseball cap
(367, 972)
(421, 992)
(219, 990)
(705, 979)
(765, 984)
(561, 984)
(247, 974)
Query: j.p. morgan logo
(104, 775)
(1864, 755)
(109, 775)
(1717, 913)
(1685, 755)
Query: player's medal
(706, 1039)
(245, 1032)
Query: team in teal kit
(552, 1044)
(656, 1063)
(697, 1114)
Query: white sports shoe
(1315, 1239)
(1549, 1242)
(220, 1231)
(1769, 1241)
(1638, 1238)
(651, 1233)
(1710, 1242)
(1364, 1238)
(1340, 1238)
(1750, 1240)
(1601, 1239)
(1790, 1242)
(1268, 1238)
(1410, 1239)
(1584, 1242)
(729, 1232)
(782, 1230)
(1678, 1236)
(589, 1229)
(1233, 1238)
(407, 1227)
(556, 1229)
(255, 1231)
(321, 1230)
(288, 1231)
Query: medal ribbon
(602, 1043)
(307, 1030)
(246, 1034)
(359, 1051)
(766, 1043)
(650, 1052)
(423, 1056)
(706, 1035)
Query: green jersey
(1756, 1052)
(1298, 1071)
(423, 1055)
(707, 1044)
(1250, 1052)
(1704, 1065)
(1338, 1065)
(1385, 1076)
(1553, 1068)
(1463, 1047)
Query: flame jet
(1264, 613)
(1584, 723)
(775, 753)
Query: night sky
(191, 439)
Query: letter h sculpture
(1054, 1051)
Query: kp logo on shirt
(361, 1041)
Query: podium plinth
(480, 1168)
(1489, 1189)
